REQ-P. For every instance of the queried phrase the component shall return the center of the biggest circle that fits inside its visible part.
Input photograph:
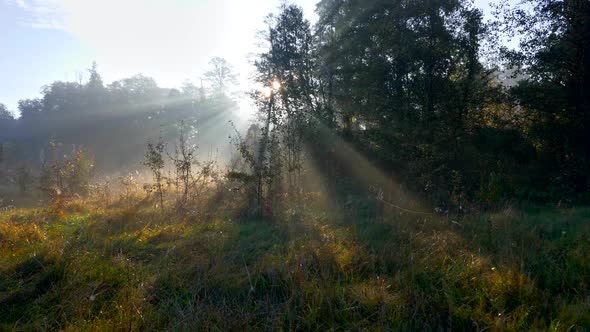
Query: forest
(408, 166)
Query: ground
(136, 268)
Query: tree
(221, 75)
(190, 90)
(554, 55)
(5, 114)
(183, 159)
(63, 175)
(247, 168)
(404, 78)
(287, 103)
(7, 123)
(30, 108)
(154, 160)
(95, 80)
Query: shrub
(154, 160)
(64, 178)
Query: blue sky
(42, 41)
(31, 57)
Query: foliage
(406, 84)
(553, 38)
(221, 76)
(62, 179)
(154, 160)
(285, 104)
(112, 120)
(66, 176)
(183, 160)
(7, 123)
(249, 168)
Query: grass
(125, 268)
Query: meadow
(130, 266)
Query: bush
(66, 177)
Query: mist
(114, 122)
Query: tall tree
(401, 77)
(554, 55)
(95, 80)
(287, 70)
(7, 122)
(221, 75)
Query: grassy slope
(134, 269)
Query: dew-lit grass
(120, 268)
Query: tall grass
(130, 267)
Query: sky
(42, 41)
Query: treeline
(113, 122)
(426, 91)
(423, 91)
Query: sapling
(184, 158)
(154, 160)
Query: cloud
(45, 14)
(160, 38)
(170, 40)
(21, 4)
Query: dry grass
(128, 267)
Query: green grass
(123, 268)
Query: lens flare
(266, 91)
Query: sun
(267, 91)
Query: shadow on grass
(29, 281)
(336, 265)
